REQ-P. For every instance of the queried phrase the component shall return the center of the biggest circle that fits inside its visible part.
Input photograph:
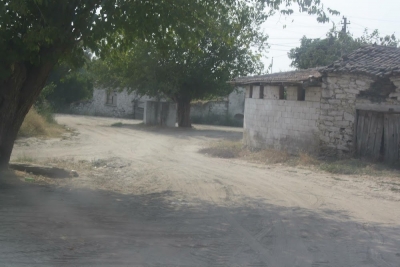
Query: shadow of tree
(48, 226)
(220, 132)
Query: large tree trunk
(183, 111)
(17, 95)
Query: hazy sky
(383, 15)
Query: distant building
(124, 105)
(110, 103)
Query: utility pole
(272, 63)
(345, 23)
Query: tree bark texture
(183, 112)
(18, 92)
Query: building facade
(351, 107)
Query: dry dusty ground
(146, 197)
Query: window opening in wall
(301, 94)
(282, 93)
(111, 99)
(261, 91)
(251, 91)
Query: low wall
(216, 108)
(231, 106)
(281, 124)
(125, 105)
(160, 113)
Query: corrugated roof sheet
(280, 77)
(373, 60)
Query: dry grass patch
(224, 149)
(35, 125)
(350, 166)
(353, 166)
(231, 149)
(268, 156)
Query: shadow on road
(210, 131)
(48, 226)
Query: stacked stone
(338, 99)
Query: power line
(355, 17)
(398, 21)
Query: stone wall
(128, 105)
(341, 98)
(232, 105)
(325, 122)
(282, 124)
(236, 103)
(206, 108)
(123, 106)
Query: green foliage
(46, 111)
(39, 33)
(67, 85)
(180, 70)
(321, 52)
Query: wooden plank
(365, 134)
(398, 139)
(389, 142)
(370, 140)
(378, 136)
(392, 146)
(396, 128)
(354, 139)
(361, 118)
(386, 137)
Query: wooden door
(392, 138)
(369, 134)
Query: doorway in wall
(378, 135)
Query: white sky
(383, 15)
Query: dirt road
(153, 200)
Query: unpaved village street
(152, 200)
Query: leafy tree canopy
(185, 71)
(321, 52)
(66, 85)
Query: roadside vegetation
(352, 166)
(40, 125)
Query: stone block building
(109, 103)
(351, 107)
(121, 104)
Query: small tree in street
(187, 72)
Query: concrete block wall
(271, 92)
(291, 92)
(313, 94)
(282, 124)
(324, 123)
(236, 102)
